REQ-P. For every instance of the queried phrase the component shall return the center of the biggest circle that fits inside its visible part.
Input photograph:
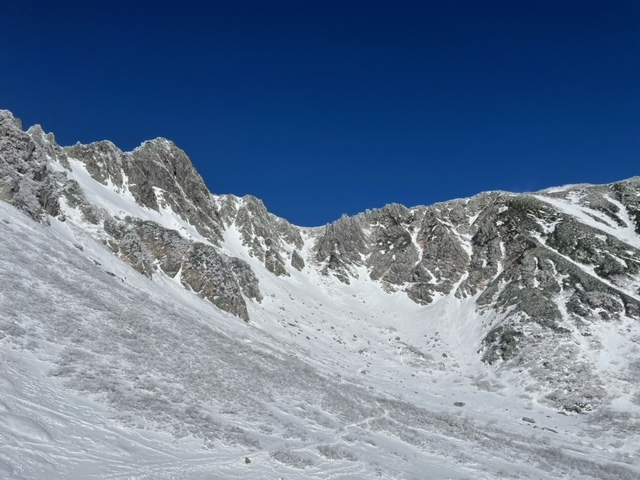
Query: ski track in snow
(107, 374)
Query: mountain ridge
(538, 290)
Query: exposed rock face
(25, 178)
(543, 269)
(158, 175)
(394, 255)
(266, 237)
(149, 247)
(297, 261)
(35, 177)
(342, 246)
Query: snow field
(107, 374)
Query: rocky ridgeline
(545, 276)
(270, 239)
(156, 174)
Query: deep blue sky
(327, 107)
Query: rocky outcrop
(393, 254)
(35, 176)
(148, 248)
(297, 261)
(342, 246)
(266, 237)
(26, 179)
(158, 175)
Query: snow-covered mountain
(151, 329)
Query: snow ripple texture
(492, 337)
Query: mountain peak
(7, 116)
(206, 315)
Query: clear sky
(327, 107)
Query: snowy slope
(110, 371)
(121, 377)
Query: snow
(323, 418)
(585, 215)
(563, 188)
(105, 373)
(119, 202)
(590, 270)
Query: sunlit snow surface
(107, 374)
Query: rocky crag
(546, 269)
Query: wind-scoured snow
(105, 373)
